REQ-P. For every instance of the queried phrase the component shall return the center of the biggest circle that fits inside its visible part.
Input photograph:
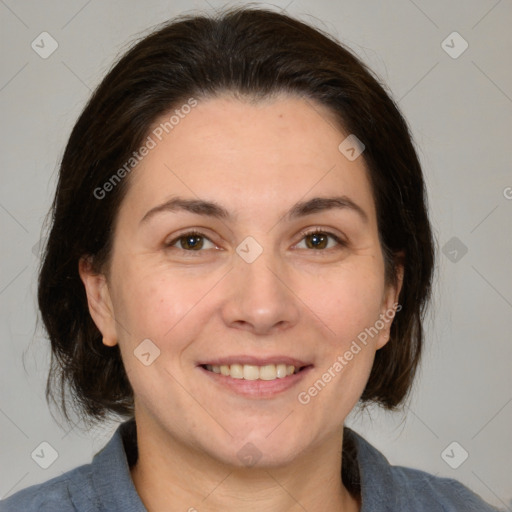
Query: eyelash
(303, 234)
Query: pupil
(190, 243)
(318, 238)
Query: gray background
(459, 110)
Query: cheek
(350, 307)
(159, 305)
(136, 305)
(346, 302)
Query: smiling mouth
(254, 372)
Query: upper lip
(256, 361)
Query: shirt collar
(111, 472)
(376, 481)
(367, 468)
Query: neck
(166, 473)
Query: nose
(260, 297)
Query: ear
(99, 301)
(390, 304)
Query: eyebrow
(213, 209)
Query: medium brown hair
(254, 53)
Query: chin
(261, 450)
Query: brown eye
(318, 239)
(190, 241)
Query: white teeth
(253, 372)
(236, 371)
(281, 370)
(271, 372)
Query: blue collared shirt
(106, 484)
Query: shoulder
(424, 491)
(385, 487)
(55, 494)
(103, 485)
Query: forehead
(252, 157)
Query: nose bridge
(259, 299)
(256, 269)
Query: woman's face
(253, 287)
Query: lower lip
(257, 388)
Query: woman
(240, 253)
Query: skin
(256, 160)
